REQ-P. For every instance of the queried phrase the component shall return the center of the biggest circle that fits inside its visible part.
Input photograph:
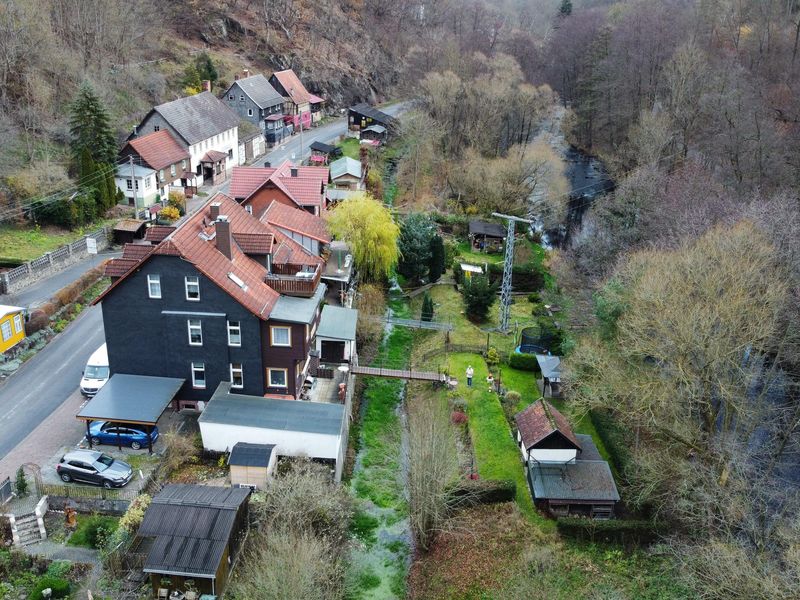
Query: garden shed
(252, 464)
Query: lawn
(92, 530)
(26, 243)
(351, 147)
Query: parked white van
(96, 372)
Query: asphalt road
(42, 290)
(43, 383)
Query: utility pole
(135, 194)
(508, 266)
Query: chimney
(206, 85)
(294, 171)
(223, 229)
(245, 73)
(135, 131)
(215, 210)
(267, 164)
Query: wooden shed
(128, 230)
(252, 464)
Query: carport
(131, 399)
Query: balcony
(302, 284)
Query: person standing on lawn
(470, 373)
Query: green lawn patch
(350, 147)
(27, 243)
(92, 531)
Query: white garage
(296, 428)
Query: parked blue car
(108, 432)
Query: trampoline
(538, 340)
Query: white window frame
(195, 368)
(231, 328)
(186, 287)
(249, 208)
(7, 330)
(172, 170)
(198, 327)
(153, 279)
(147, 183)
(240, 371)
(272, 329)
(156, 128)
(18, 323)
(161, 174)
(285, 378)
(249, 112)
(231, 97)
(129, 183)
(241, 98)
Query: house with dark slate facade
(225, 297)
(256, 101)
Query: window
(129, 183)
(199, 375)
(161, 175)
(18, 323)
(147, 183)
(280, 336)
(172, 170)
(6, 328)
(154, 286)
(277, 378)
(195, 332)
(183, 164)
(156, 128)
(192, 288)
(249, 208)
(249, 112)
(237, 375)
(230, 152)
(231, 97)
(241, 98)
(234, 333)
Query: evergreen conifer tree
(436, 265)
(427, 307)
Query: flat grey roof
(250, 455)
(337, 323)
(269, 413)
(131, 399)
(298, 310)
(583, 480)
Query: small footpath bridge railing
(399, 373)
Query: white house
(139, 185)
(203, 125)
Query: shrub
(512, 398)
(178, 201)
(614, 438)
(483, 491)
(458, 273)
(640, 531)
(427, 307)
(134, 516)
(492, 357)
(479, 295)
(534, 298)
(169, 214)
(458, 417)
(180, 450)
(523, 362)
(60, 587)
(21, 483)
(59, 568)
(93, 532)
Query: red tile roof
(539, 421)
(132, 255)
(255, 243)
(157, 233)
(289, 252)
(213, 156)
(293, 86)
(159, 149)
(306, 189)
(296, 220)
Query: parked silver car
(90, 466)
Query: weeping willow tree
(367, 227)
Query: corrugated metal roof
(199, 117)
(345, 166)
(337, 323)
(191, 526)
(269, 413)
(131, 399)
(486, 228)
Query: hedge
(523, 362)
(484, 491)
(458, 225)
(622, 531)
(615, 439)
